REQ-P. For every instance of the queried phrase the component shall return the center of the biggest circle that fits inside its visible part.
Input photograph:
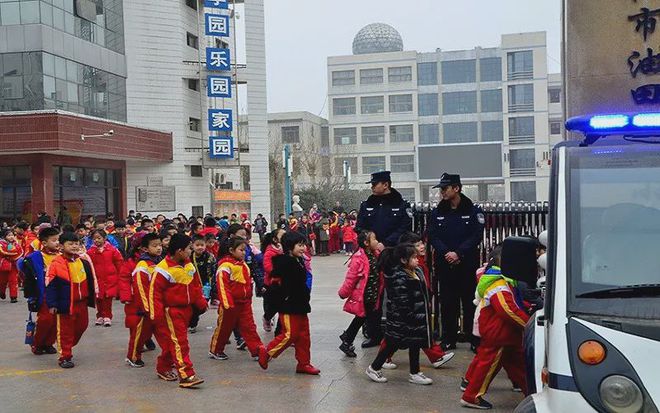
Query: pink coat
(356, 280)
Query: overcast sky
(301, 34)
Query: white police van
(600, 327)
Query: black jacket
(388, 216)
(408, 309)
(460, 230)
(293, 292)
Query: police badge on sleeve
(481, 218)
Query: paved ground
(102, 382)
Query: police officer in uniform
(388, 215)
(455, 231)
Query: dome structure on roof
(377, 38)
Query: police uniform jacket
(386, 215)
(459, 230)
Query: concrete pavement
(101, 381)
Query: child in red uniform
(175, 289)
(134, 293)
(350, 237)
(69, 291)
(108, 263)
(10, 252)
(293, 304)
(333, 242)
(235, 294)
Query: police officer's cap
(448, 180)
(382, 176)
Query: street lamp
(107, 134)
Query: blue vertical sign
(218, 87)
(220, 120)
(221, 147)
(216, 25)
(218, 59)
(218, 4)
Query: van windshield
(614, 230)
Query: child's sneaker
(218, 356)
(308, 369)
(241, 344)
(267, 324)
(167, 376)
(50, 350)
(192, 330)
(66, 364)
(464, 383)
(99, 321)
(388, 365)
(191, 381)
(149, 345)
(107, 322)
(442, 360)
(263, 358)
(136, 363)
(420, 378)
(13, 300)
(376, 375)
(38, 351)
(479, 403)
(347, 349)
(516, 388)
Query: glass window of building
(371, 76)
(522, 127)
(29, 12)
(427, 104)
(372, 104)
(460, 132)
(427, 73)
(193, 84)
(10, 13)
(554, 94)
(339, 165)
(555, 127)
(459, 102)
(523, 191)
(492, 131)
(97, 189)
(16, 187)
(491, 100)
(520, 65)
(194, 124)
(521, 98)
(495, 192)
(401, 103)
(459, 71)
(371, 164)
(407, 194)
(490, 69)
(401, 133)
(345, 136)
(399, 74)
(325, 137)
(343, 106)
(522, 162)
(290, 134)
(429, 134)
(402, 163)
(343, 77)
(373, 134)
(192, 4)
(192, 40)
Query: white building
(484, 113)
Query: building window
(427, 104)
(290, 134)
(219, 43)
(98, 190)
(371, 76)
(371, 164)
(401, 133)
(554, 93)
(343, 106)
(522, 162)
(520, 65)
(16, 187)
(459, 71)
(521, 98)
(427, 73)
(490, 69)
(196, 171)
(459, 102)
(325, 137)
(373, 134)
(345, 136)
(402, 163)
(407, 194)
(491, 100)
(399, 74)
(343, 78)
(193, 84)
(339, 165)
(194, 124)
(523, 191)
(372, 104)
(401, 103)
(192, 40)
(555, 127)
(460, 132)
(429, 134)
(521, 130)
(192, 4)
(495, 192)
(492, 131)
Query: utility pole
(287, 164)
(347, 175)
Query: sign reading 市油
(219, 4)
(221, 147)
(220, 120)
(218, 87)
(216, 25)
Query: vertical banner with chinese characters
(218, 59)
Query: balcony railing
(521, 107)
(521, 75)
(521, 140)
(523, 171)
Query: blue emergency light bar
(638, 124)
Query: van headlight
(619, 394)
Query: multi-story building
(485, 113)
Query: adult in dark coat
(456, 230)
